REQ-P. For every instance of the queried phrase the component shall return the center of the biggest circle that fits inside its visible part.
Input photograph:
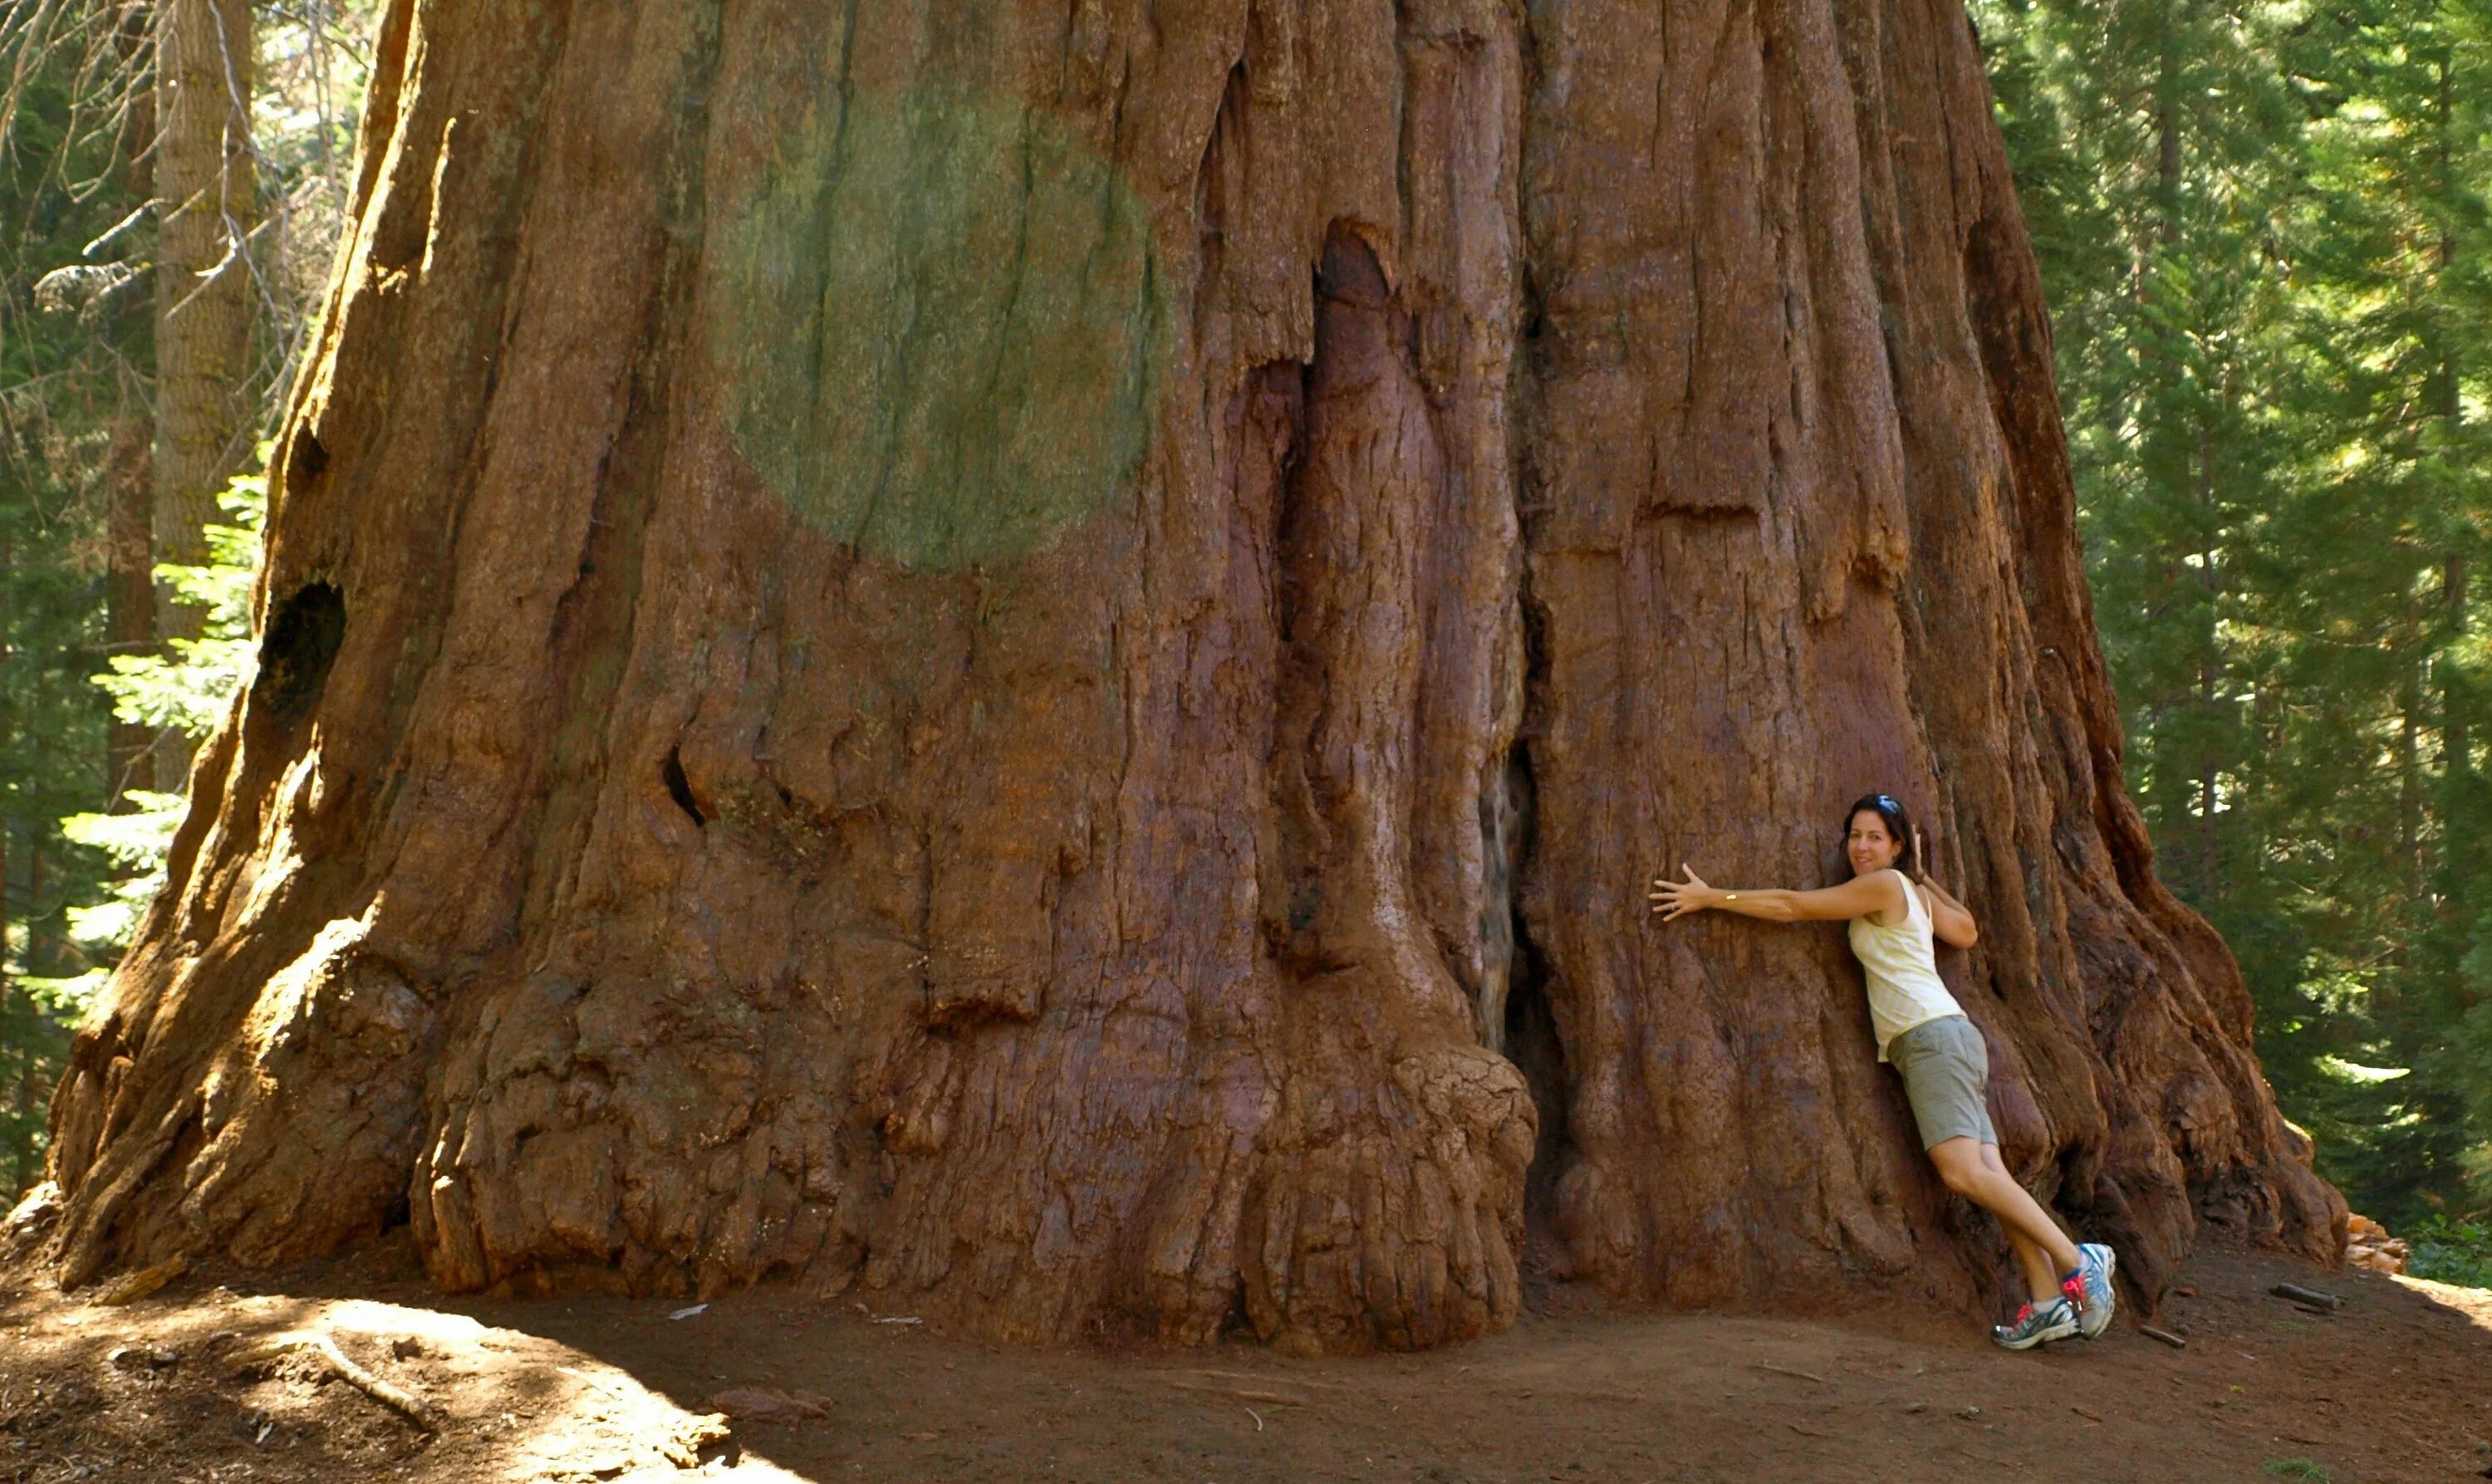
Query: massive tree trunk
(1027, 655)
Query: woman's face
(1871, 846)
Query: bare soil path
(2398, 1385)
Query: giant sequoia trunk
(1035, 657)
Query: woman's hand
(1674, 900)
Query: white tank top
(1902, 968)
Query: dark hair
(1899, 824)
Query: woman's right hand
(1676, 899)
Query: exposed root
(83, 1244)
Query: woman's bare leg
(1989, 1186)
(2037, 1263)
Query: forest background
(2263, 231)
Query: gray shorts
(1945, 1070)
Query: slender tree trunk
(2167, 127)
(43, 942)
(2457, 743)
(206, 186)
(2210, 667)
(967, 653)
(2411, 861)
(130, 463)
(130, 588)
(8, 743)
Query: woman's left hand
(1676, 899)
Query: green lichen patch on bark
(943, 324)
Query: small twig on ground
(1257, 1416)
(1265, 1378)
(1784, 1370)
(321, 1348)
(2164, 1335)
(2087, 1414)
(1241, 1393)
(1806, 1432)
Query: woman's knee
(1959, 1166)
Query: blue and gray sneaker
(2090, 1286)
(2036, 1323)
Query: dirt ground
(187, 1385)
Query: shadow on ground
(181, 1386)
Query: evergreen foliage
(2263, 230)
(76, 316)
(64, 370)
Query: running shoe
(2038, 1324)
(2094, 1264)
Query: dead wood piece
(2299, 1295)
(767, 1403)
(2166, 1336)
(696, 1439)
(130, 1288)
(320, 1347)
(1784, 1370)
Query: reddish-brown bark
(1035, 656)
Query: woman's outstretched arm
(1858, 897)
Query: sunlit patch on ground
(217, 1385)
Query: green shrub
(2447, 1251)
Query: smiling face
(1869, 845)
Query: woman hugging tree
(1924, 1033)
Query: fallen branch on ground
(2166, 1336)
(2302, 1295)
(320, 1347)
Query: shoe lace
(2074, 1286)
(2024, 1316)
